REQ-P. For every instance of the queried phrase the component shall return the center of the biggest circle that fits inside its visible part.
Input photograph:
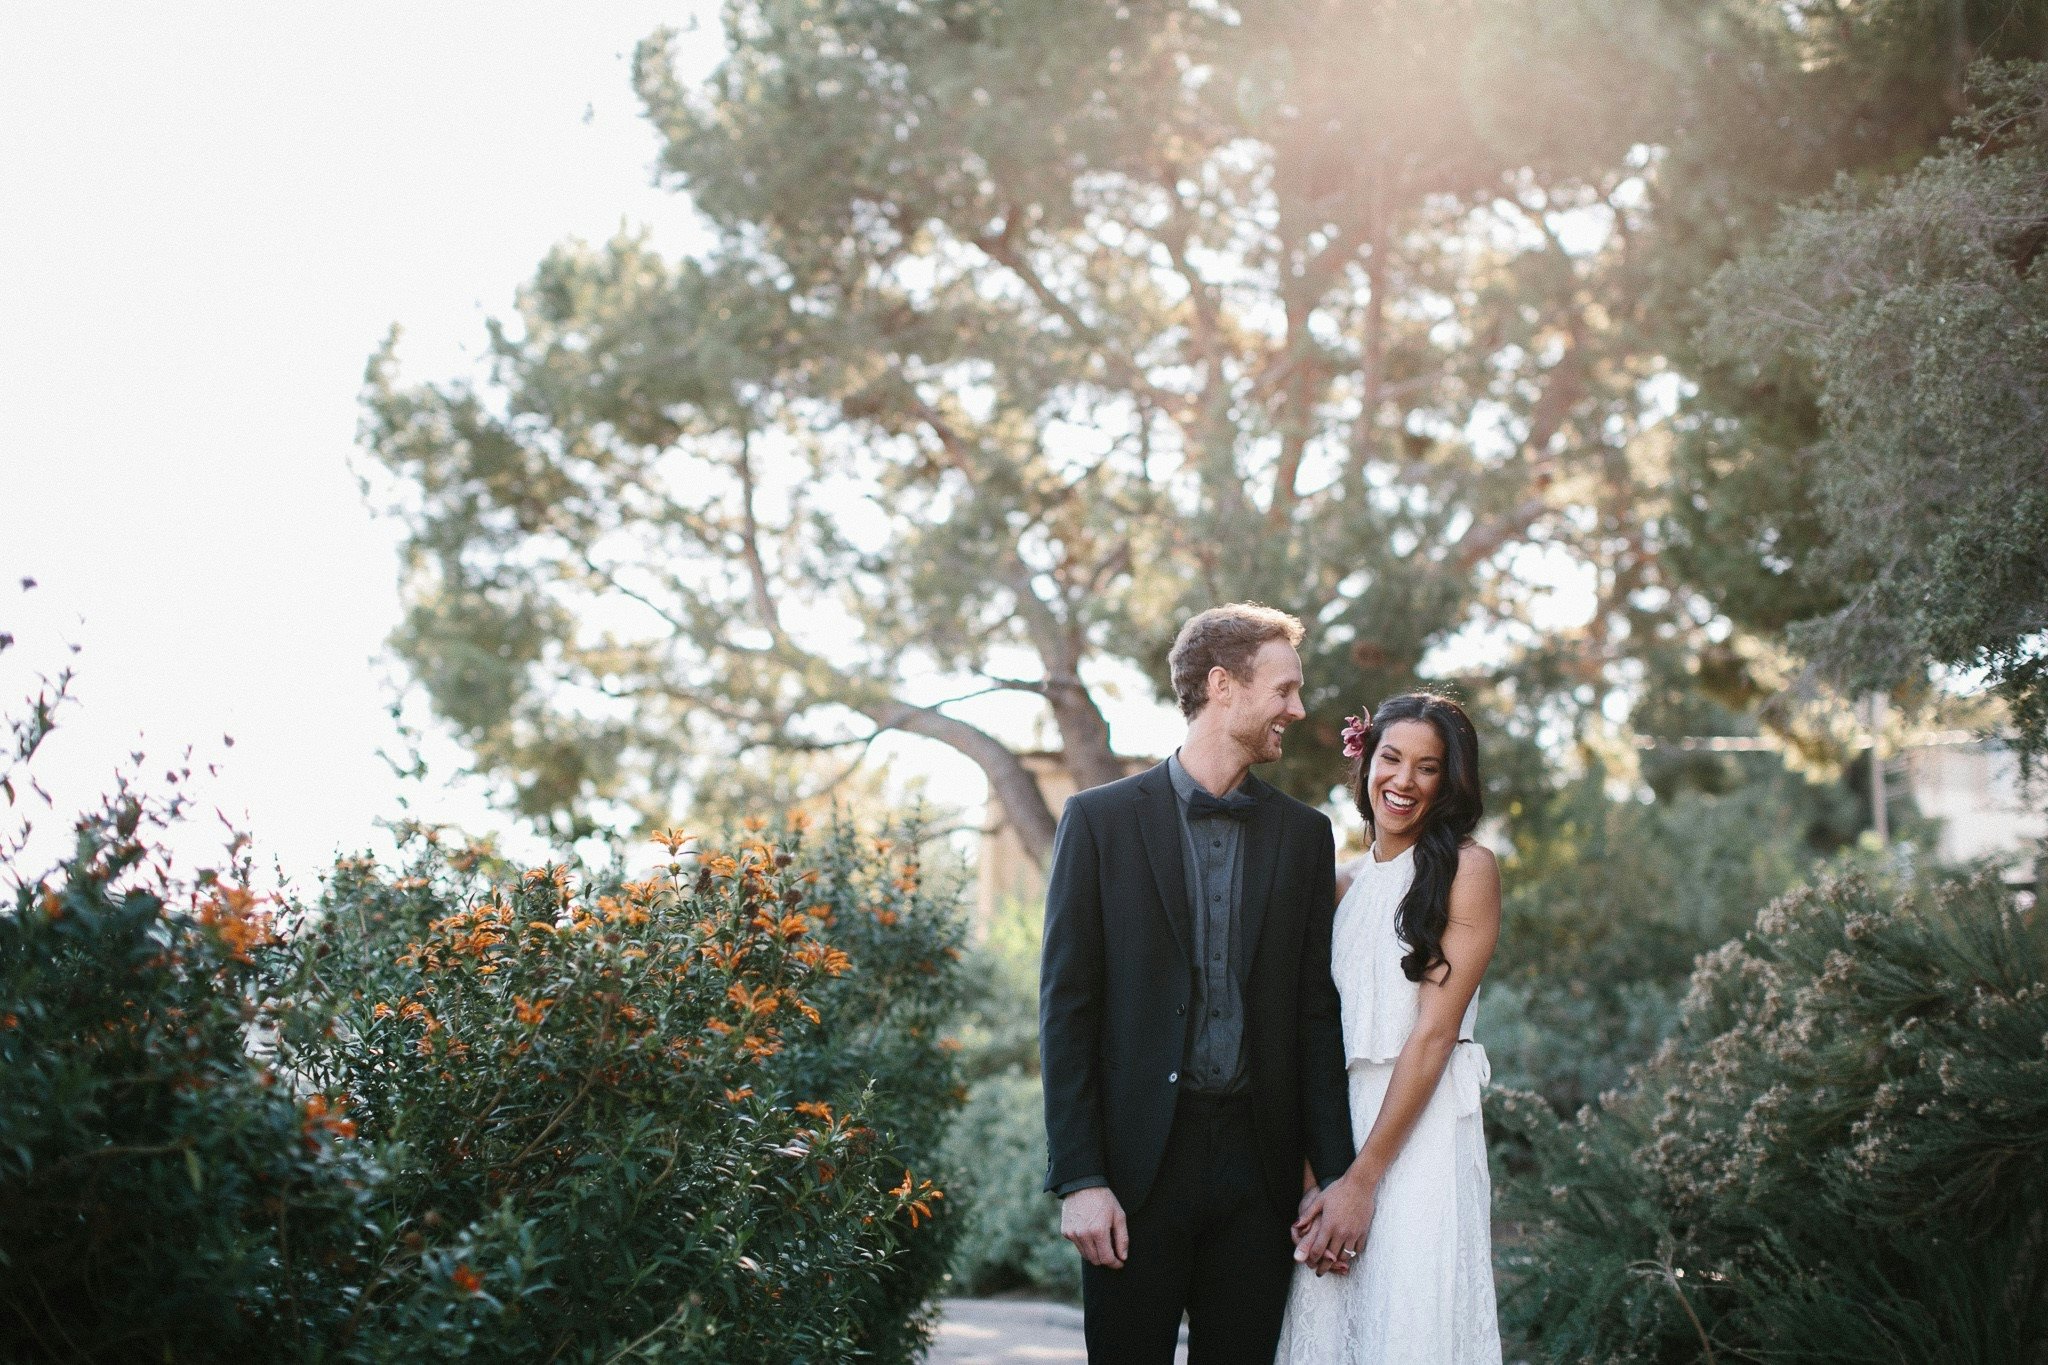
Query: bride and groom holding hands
(1262, 1100)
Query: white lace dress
(1421, 1293)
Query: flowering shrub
(1842, 1154)
(165, 1194)
(469, 1112)
(693, 1113)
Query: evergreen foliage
(1609, 903)
(1010, 1227)
(1841, 1154)
(1921, 308)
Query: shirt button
(1215, 843)
(1215, 1014)
(1180, 1009)
(1215, 957)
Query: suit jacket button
(1172, 1077)
(1180, 1009)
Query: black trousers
(1207, 1242)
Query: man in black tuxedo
(1192, 1052)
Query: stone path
(1012, 1332)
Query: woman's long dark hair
(1448, 822)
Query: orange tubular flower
(724, 957)
(332, 1119)
(917, 1200)
(756, 1000)
(232, 915)
(835, 962)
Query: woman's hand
(1329, 1235)
(1305, 1221)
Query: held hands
(1093, 1221)
(1331, 1231)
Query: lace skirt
(1421, 1292)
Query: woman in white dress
(1396, 1256)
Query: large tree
(1770, 104)
(1031, 325)
(1921, 310)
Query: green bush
(1608, 903)
(1841, 1155)
(165, 1192)
(1009, 1238)
(1010, 1234)
(445, 1114)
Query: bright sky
(209, 215)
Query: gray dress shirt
(1212, 860)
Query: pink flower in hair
(1356, 731)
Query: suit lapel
(1261, 864)
(1159, 822)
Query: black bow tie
(1236, 806)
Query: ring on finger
(1350, 1252)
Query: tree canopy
(1032, 325)
(1921, 308)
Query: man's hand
(1336, 1224)
(1093, 1220)
(1311, 1196)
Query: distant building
(1973, 787)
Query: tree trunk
(1084, 734)
(1371, 369)
(1023, 803)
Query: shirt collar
(1185, 786)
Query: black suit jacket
(1118, 972)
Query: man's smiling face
(1260, 709)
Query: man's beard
(1257, 740)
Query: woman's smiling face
(1407, 771)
